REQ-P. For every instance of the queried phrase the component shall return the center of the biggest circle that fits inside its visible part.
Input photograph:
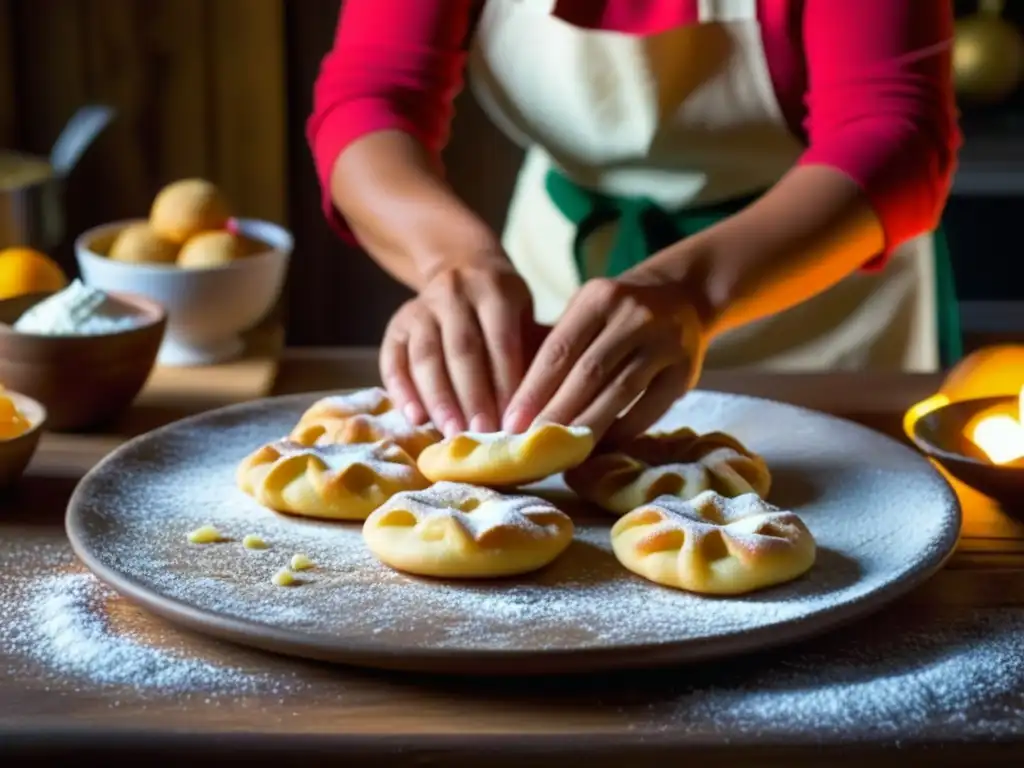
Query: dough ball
(211, 249)
(185, 208)
(141, 244)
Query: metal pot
(32, 188)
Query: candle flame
(1001, 436)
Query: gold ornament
(988, 54)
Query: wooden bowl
(82, 381)
(940, 434)
(16, 453)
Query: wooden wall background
(221, 89)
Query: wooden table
(369, 718)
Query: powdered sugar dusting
(877, 512)
(478, 510)
(59, 619)
(909, 673)
(384, 460)
(514, 438)
(373, 400)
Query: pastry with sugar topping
(453, 530)
(681, 463)
(506, 459)
(363, 416)
(338, 482)
(714, 545)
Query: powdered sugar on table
(58, 629)
(882, 519)
(919, 673)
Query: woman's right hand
(457, 352)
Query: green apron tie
(951, 340)
(645, 228)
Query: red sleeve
(395, 65)
(880, 105)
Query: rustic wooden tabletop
(937, 678)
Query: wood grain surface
(198, 86)
(381, 719)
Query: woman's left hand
(632, 342)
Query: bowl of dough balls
(216, 275)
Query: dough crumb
(284, 578)
(301, 563)
(252, 541)
(207, 534)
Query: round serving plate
(883, 518)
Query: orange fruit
(12, 422)
(987, 372)
(23, 270)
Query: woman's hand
(457, 352)
(633, 342)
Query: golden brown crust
(712, 544)
(364, 416)
(681, 463)
(455, 530)
(504, 459)
(344, 482)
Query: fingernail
(451, 427)
(482, 423)
(512, 421)
(412, 413)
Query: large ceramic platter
(883, 518)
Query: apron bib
(624, 133)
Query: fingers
(630, 383)
(466, 357)
(502, 325)
(555, 360)
(614, 369)
(395, 373)
(456, 351)
(430, 375)
(664, 389)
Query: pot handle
(78, 135)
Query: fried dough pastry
(364, 416)
(453, 530)
(337, 482)
(506, 459)
(712, 544)
(680, 463)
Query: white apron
(687, 117)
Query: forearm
(401, 210)
(807, 233)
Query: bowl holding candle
(974, 426)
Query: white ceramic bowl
(207, 309)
